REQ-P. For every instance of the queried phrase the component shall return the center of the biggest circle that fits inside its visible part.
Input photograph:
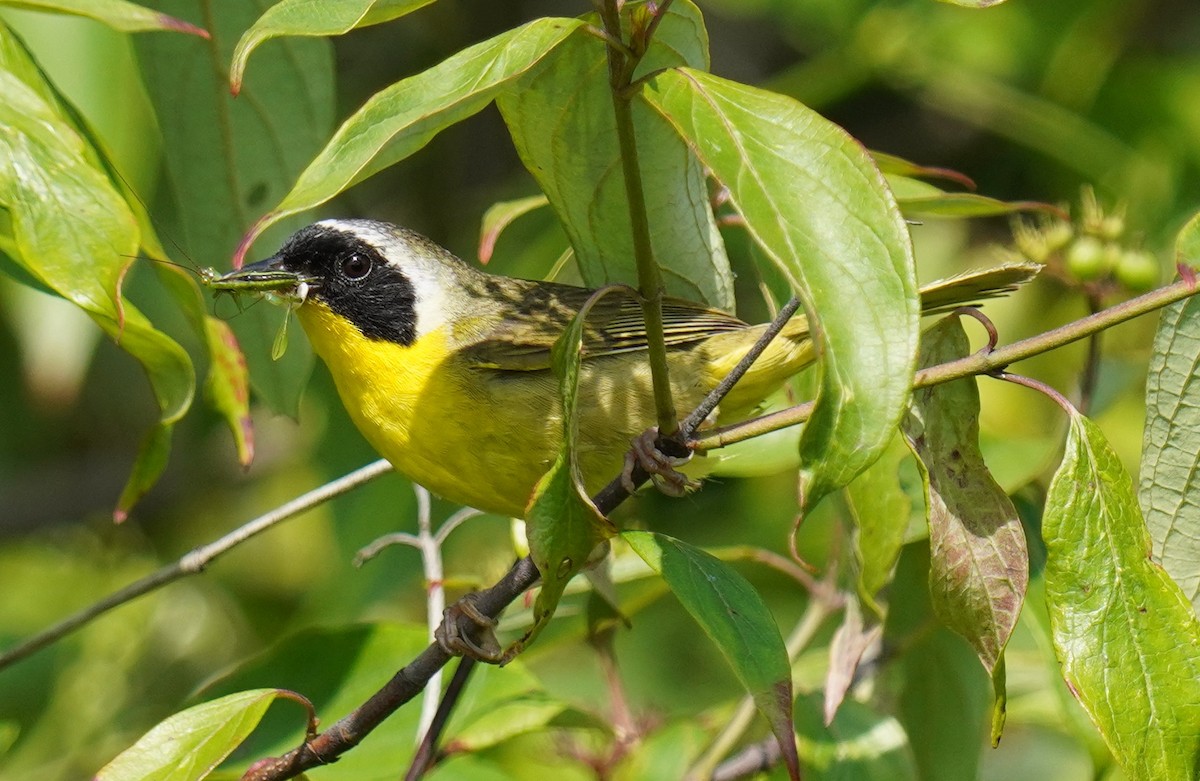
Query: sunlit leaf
(734, 617)
(881, 510)
(401, 119)
(313, 18)
(815, 203)
(980, 565)
(1126, 636)
(191, 743)
(503, 721)
(74, 233)
(117, 14)
(1169, 492)
(858, 745)
(227, 160)
(969, 205)
(562, 121)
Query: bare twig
(406, 684)
(195, 560)
(697, 417)
(427, 750)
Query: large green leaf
(980, 564)
(881, 510)
(562, 121)
(401, 119)
(74, 233)
(314, 18)
(1169, 492)
(940, 690)
(816, 204)
(118, 14)
(227, 160)
(1126, 636)
(190, 744)
(734, 617)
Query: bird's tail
(793, 349)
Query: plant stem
(194, 561)
(971, 365)
(620, 69)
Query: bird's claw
(646, 451)
(466, 631)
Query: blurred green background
(1030, 99)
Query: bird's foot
(659, 457)
(466, 631)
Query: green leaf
(74, 233)
(356, 660)
(968, 205)
(117, 14)
(227, 160)
(980, 564)
(314, 18)
(815, 203)
(228, 385)
(562, 121)
(881, 509)
(192, 743)
(504, 720)
(734, 617)
(893, 166)
(1126, 636)
(562, 524)
(147, 468)
(859, 745)
(401, 119)
(499, 216)
(940, 689)
(1168, 491)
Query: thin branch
(971, 365)
(406, 684)
(427, 750)
(701, 413)
(195, 560)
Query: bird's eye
(355, 266)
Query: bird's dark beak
(266, 276)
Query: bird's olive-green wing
(522, 339)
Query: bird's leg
(659, 457)
(465, 631)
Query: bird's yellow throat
(424, 413)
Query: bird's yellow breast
(483, 437)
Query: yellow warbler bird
(445, 369)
